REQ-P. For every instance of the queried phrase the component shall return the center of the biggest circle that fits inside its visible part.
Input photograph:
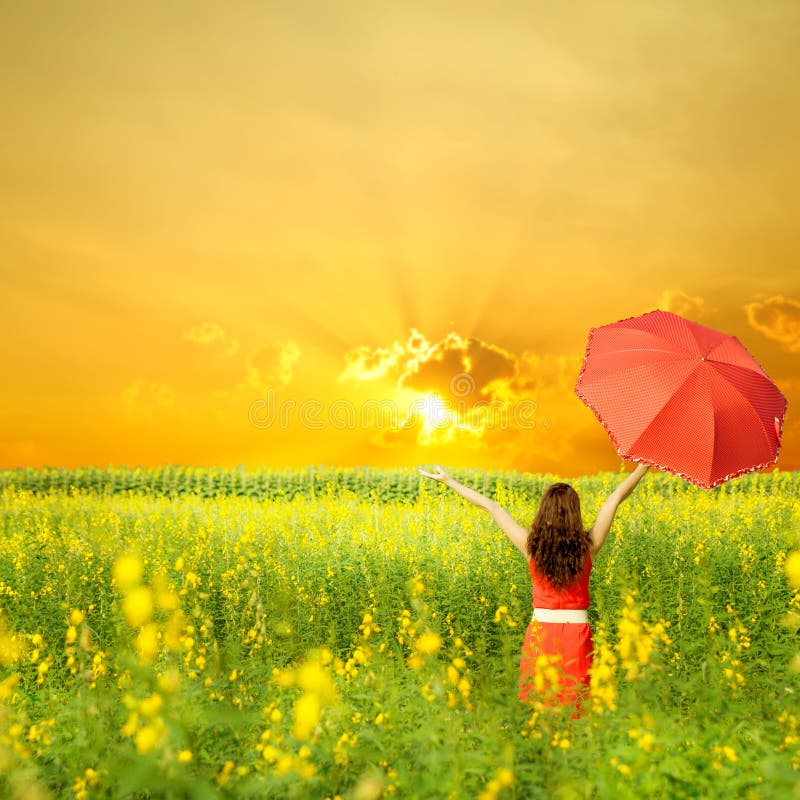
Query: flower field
(356, 634)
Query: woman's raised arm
(515, 532)
(606, 514)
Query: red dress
(556, 656)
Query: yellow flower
(10, 648)
(167, 599)
(284, 677)
(428, 643)
(185, 756)
(91, 777)
(415, 661)
(169, 681)
(173, 630)
(313, 677)
(128, 571)
(147, 643)
(646, 741)
(138, 606)
(76, 617)
(150, 706)
(623, 768)
(730, 753)
(284, 764)
(307, 711)
(146, 739)
(792, 568)
(8, 684)
(131, 724)
(505, 777)
(224, 773)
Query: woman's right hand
(440, 475)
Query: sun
(435, 414)
(436, 422)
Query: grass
(334, 643)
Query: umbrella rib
(621, 370)
(756, 370)
(748, 406)
(749, 370)
(755, 367)
(675, 344)
(661, 410)
(646, 350)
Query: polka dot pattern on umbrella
(682, 397)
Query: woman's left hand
(440, 475)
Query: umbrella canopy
(682, 397)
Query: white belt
(560, 614)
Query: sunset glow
(235, 237)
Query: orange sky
(203, 207)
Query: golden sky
(335, 207)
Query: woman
(557, 650)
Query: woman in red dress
(557, 650)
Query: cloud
(537, 374)
(210, 333)
(271, 366)
(146, 400)
(364, 364)
(467, 391)
(416, 429)
(777, 318)
(455, 366)
(459, 368)
(680, 303)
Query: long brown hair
(558, 542)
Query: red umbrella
(682, 397)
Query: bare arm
(606, 514)
(515, 532)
